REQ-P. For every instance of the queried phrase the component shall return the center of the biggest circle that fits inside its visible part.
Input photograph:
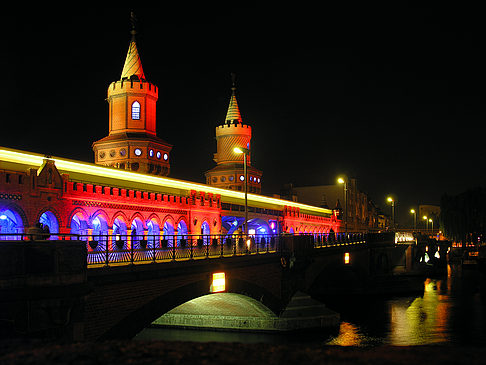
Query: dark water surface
(451, 310)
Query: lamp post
(343, 181)
(245, 152)
(426, 219)
(414, 218)
(392, 202)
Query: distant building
(362, 214)
(431, 212)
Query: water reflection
(449, 311)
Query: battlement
(134, 85)
(233, 128)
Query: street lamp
(341, 180)
(245, 152)
(392, 202)
(431, 221)
(414, 218)
(426, 219)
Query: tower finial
(133, 65)
(233, 81)
(133, 23)
(233, 114)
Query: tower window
(136, 110)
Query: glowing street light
(392, 202)
(245, 152)
(412, 211)
(426, 219)
(342, 181)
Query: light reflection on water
(451, 310)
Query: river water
(451, 310)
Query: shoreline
(179, 352)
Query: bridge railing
(107, 250)
(119, 249)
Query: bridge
(62, 289)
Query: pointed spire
(233, 113)
(133, 64)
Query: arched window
(136, 110)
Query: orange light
(346, 258)
(219, 283)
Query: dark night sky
(392, 96)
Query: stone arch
(100, 213)
(142, 316)
(139, 216)
(78, 223)
(80, 212)
(54, 212)
(120, 215)
(153, 217)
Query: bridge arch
(145, 314)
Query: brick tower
(132, 143)
(228, 173)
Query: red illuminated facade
(69, 201)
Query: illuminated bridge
(91, 251)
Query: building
(362, 214)
(132, 143)
(229, 170)
(126, 196)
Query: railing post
(191, 244)
(221, 243)
(107, 254)
(173, 251)
(131, 251)
(153, 249)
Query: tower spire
(133, 64)
(233, 114)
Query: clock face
(123, 152)
(138, 152)
(151, 153)
(242, 178)
(166, 156)
(159, 155)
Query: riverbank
(161, 352)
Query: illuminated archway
(168, 233)
(49, 223)
(10, 223)
(137, 232)
(79, 225)
(181, 231)
(119, 233)
(153, 233)
(205, 230)
(100, 231)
